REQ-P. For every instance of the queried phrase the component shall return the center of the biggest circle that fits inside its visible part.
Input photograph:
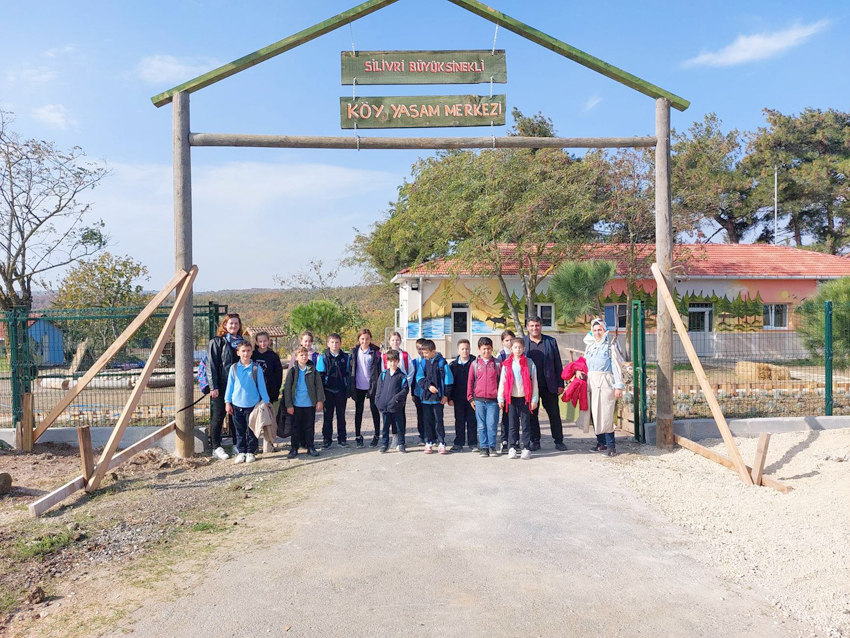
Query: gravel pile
(794, 547)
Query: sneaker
(250, 458)
(428, 449)
(457, 448)
(496, 451)
(610, 453)
(442, 449)
(342, 443)
(402, 449)
(292, 453)
(374, 442)
(312, 451)
(359, 441)
(526, 454)
(473, 447)
(560, 446)
(421, 441)
(220, 454)
(384, 448)
(485, 451)
(535, 445)
(504, 446)
(240, 458)
(512, 453)
(326, 444)
(599, 448)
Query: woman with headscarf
(221, 355)
(604, 382)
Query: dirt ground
(794, 546)
(158, 525)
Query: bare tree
(42, 220)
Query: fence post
(635, 371)
(212, 314)
(827, 351)
(15, 367)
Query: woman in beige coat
(604, 382)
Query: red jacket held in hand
(576, 392)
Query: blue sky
(83, 74)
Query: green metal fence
(801, 369)
(45, 352)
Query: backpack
(203, 380)
(404, 357)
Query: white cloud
(54, 116)
(761, 46)
(59, 51)
(30, 75)
(251, 220)
(591, 103)
(159, 69)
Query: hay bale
(751, 370)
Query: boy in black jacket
(390, 399)
(333, 365)
(466, 429)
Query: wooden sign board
(421, 111)
(424, 67)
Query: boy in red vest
(518, 392)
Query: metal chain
(351, 31)
(495, 35)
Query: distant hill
(259, 306)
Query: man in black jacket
(543, 350)
(390, 398)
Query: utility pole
(664, 259)
(775, 205)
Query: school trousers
(420, 423)
(359, 404)
(304, 427)
(393, 419)
(466, 429)
(246, 441)
(334, 405)
(519, 417)
(549, 402)
(435, 429)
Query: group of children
(480, 389)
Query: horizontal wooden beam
(711, 455)
(281, 46)
(413, 143)
(570, 52)
(37, 508)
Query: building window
(546, 312)
(701, 317)
(615, 316)
(775, 316)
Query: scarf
(509, 380)
(233, 340)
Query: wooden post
(664, 259)
(86, 452)
(27, 424)
(184, 346)
(761, 455)
(734, 453)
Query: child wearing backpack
(505, 338)
(390, 399)
(518, 393)
(434, 380)
(303, 395)
(272, 368)
(418, 362)
(407, 369)
(333, 366)
(246, 387)
(482, 392)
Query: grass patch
(8, 600)
(204, 527)
(23, 550)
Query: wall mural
(490, 312)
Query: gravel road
(457, 545)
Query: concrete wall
(100, 437)
(698, 429)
